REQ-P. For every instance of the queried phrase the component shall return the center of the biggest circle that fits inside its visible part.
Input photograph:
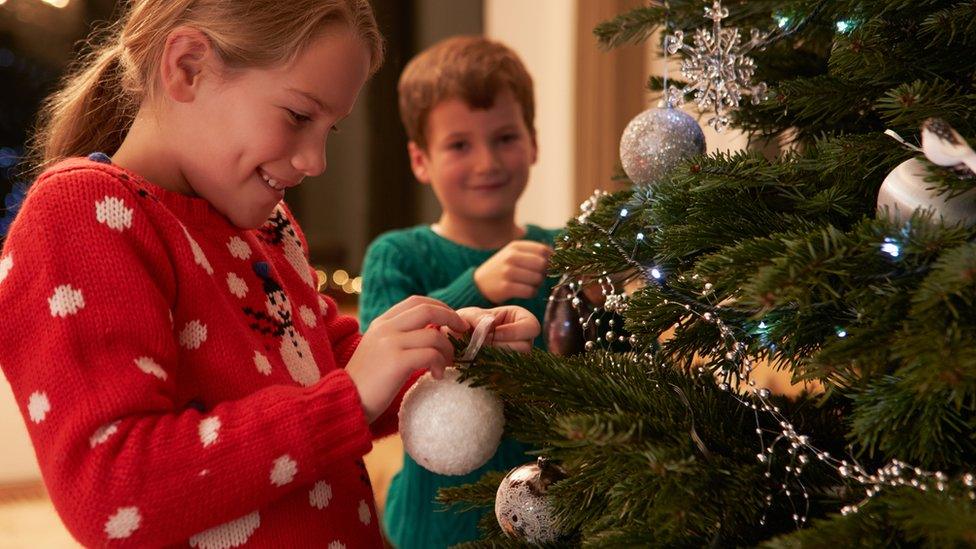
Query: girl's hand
(514, 327)
(403, 339)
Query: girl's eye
(298, 117)
(508, 137)
(457, 146)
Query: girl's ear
(186, 54)
(418, 162)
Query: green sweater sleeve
(391, 274)
(462, 292)
(386, 281)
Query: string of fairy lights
(758, 399)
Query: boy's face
(477, 161)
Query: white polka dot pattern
(308, 316)
(337, 545)
(66, 301)
(365, 516)
(320, 495)
(209, 430)
(198, 255)
(262, 363)
(6, 264)
(103, 433)
(323, 306)
(232, 534)
(237, 285)
(123, 523)
(149, 366)
(111, 211)
(38, 406)
(238, 248)
(193, 334)
(283, 471)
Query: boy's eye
(298, 117)
(508, 137)
(457, 145)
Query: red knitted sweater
(182, 379)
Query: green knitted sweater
(418, 261)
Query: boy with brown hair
(468, 108)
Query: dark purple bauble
(561, 329)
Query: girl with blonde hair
(181, 378)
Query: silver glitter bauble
(522, 504)
(905, 190)
(656, 140)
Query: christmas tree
(726, 262)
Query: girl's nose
(310, 159)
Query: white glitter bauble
(522, 504)
(905, 190)
(448, 427)
(656, 140)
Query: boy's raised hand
(402, 340)
(517, 270)
(514, 327)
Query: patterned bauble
(656, 140)
(522, 504)
(562, 330)
(449, 427)
(943, 146)
(905, 190)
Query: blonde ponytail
(89, 113)
(99, 97)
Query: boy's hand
(517, 270)
(403, 339)
(514, 327)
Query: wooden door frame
(610, 91)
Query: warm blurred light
(323, 279)
(57, 3)
(357, 285)
(2, 2)
(348, 287)
(340, 277)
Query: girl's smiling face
(248, 135)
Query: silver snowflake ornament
(717, 66)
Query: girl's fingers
(427, 338)
(410, 303)
(513, 328)
(428, 358)
(426, 313)
(472, 315)
(515, 324)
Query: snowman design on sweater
(277, 230)
(278, 322)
